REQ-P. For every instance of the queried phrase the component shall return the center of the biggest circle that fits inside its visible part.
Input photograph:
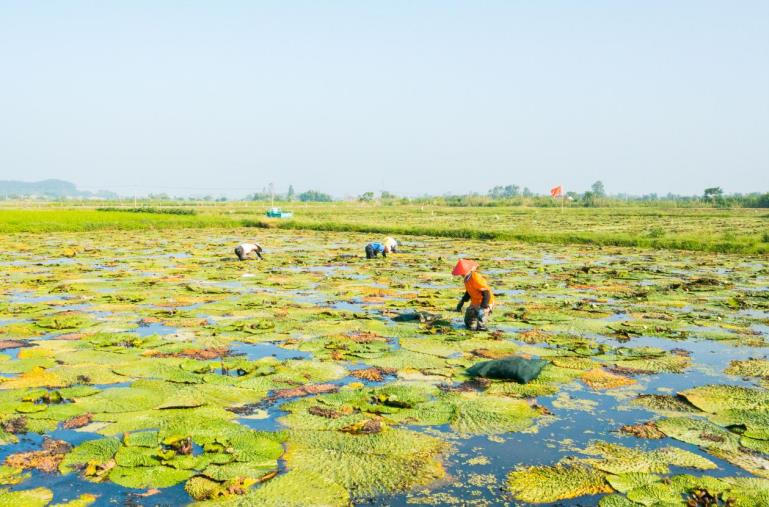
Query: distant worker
(244, 251)
(391, 244)
(373, 249)
(477, 291)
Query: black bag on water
(519, 369)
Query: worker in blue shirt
(372, 249)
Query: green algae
(65, 321)
(11, 475)
(21, 330)
(664, 364)
(97, 452)
(294, 489)
(616, 501)
(748, 423)
(664, 404)
(749, 368)
(142, 477)
(634, 472)
(37, 497)
(656, 494)
(389, 461)
(698, 432)
(717, 398)
(467, 413)
(617, 459)
(544, 484)
(679, 489)
(627, 481)
(715, 440)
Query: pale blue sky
(408, 96)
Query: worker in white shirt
(391, 245)
(244, 251)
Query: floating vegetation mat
(153, 368)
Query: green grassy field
(735, 231)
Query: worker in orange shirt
(477, 291)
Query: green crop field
(141, 363)
(737, 230)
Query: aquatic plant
(600, 379)
(388, 461)
(37, 497)
(717, 398)
(749, 368)
(169, 360)
(544, 484)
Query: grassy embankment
(733, 231)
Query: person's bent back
(391, 245)
(373, 249)
(244, 250)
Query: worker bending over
(244, 250)
(389, 246)
(477, 291)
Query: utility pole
(272, 195)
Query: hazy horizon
(193, 98)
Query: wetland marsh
(150, 367)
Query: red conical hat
(463, 267)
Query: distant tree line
(290, 195)
(500, 195)
(596, 196)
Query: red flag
(556, 191)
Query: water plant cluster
(153, 367)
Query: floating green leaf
(544, 484)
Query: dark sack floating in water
(416, 317)
(519, 369)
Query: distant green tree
(314, 196)
(290, 195)
(366, 197)
(713, 194)
(589, 199)
(527, 192)
(387, 195)
(500, 192)
(597, 189)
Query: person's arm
(465, 299)
(485, 297)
